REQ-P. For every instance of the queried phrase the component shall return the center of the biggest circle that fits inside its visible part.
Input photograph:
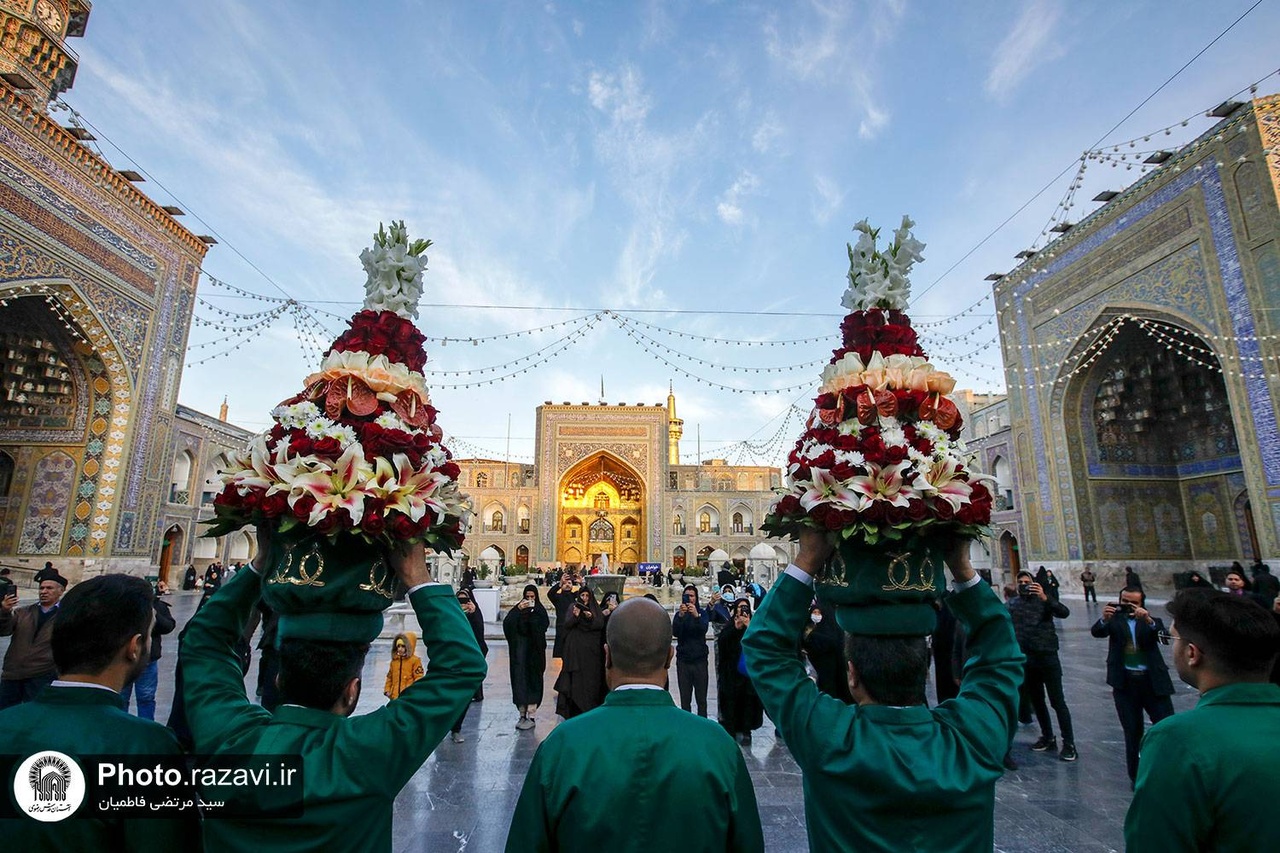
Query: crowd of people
(883, 769)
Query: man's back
(352, 767)
(85, 721)
(878, 777)
(637, 774)
(1207, 778)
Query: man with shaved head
(636, 753)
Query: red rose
(942, 510)
(789, 505)
(300, 445)
(917, 510)
(373, 522)
(895, 454)
(450, 470)
(895, 514)
(843, 470)
(875, 512)
(328, 447)
(302, 507)
(402, 527)
(328, 523)
(275, 505)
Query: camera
(1123, 607)
(7, 588)
(1024, 589)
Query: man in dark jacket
(145, 685)
(1136, 671)
(689, 627)
(28, 664)
(1033, 613)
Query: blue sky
(665, 157)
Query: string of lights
(625, 324)
(565, 343)
(631, 333)
(736, 342)
(586, 324)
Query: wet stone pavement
(462, 797)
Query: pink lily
(825, 488)
(341, 485)
(407, 490)
(882, 484)
(942, 479)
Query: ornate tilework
(47, 505)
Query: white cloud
(767, 134)
(835, 43)
(729, 207)
(828, 198)
(1027, 46)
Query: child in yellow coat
(406, 667)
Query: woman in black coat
(581, 685)
(741, 711)
(823, 644)
(525, 628)
(476, 620)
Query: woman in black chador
(741, 712)
(525, 628)
(581, 685)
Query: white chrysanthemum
(893, 434)
(390, 420)
(930, 431)
(341, 433)
(317, 427)
(852, 457)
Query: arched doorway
(522, 556)
(679, 557)
(1010, 558)
(1154, 456)
(171, 549)
(601, 513)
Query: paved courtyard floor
(462, 797)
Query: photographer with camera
(1033, 612)
(1136, 671)
(689, 627)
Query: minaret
(34, 57)
(222, 410)
(675, 428)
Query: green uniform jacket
(1207, 779)
(637, 754)
(878, 777)
(352, 767)
(84, 721)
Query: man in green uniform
(352, 767)
(890, 773)
(637, 754)
(102, 643)
(1207, 779)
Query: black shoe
(1009, 763)
(1045, 744)
(1068, 752)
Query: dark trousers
(691, 675)
(1137, 697)
(1044, 675)
(15, 691)
(1090, 593)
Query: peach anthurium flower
(882, 484)
(341, 485)
(825, 488)
(409, 491)
(942, 479)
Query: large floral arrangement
(358, 451)
(881, 460)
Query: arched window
(497, 521)
(522, 518)
(602, 500)
(180, 481)
(737, 522)
(482, 479)
(704, 522)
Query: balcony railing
(1002, 503)
(179, 496)
(495, 528)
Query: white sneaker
(457, 737)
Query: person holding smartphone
(689, 627)
(1136, 671)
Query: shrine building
(1141, 359)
